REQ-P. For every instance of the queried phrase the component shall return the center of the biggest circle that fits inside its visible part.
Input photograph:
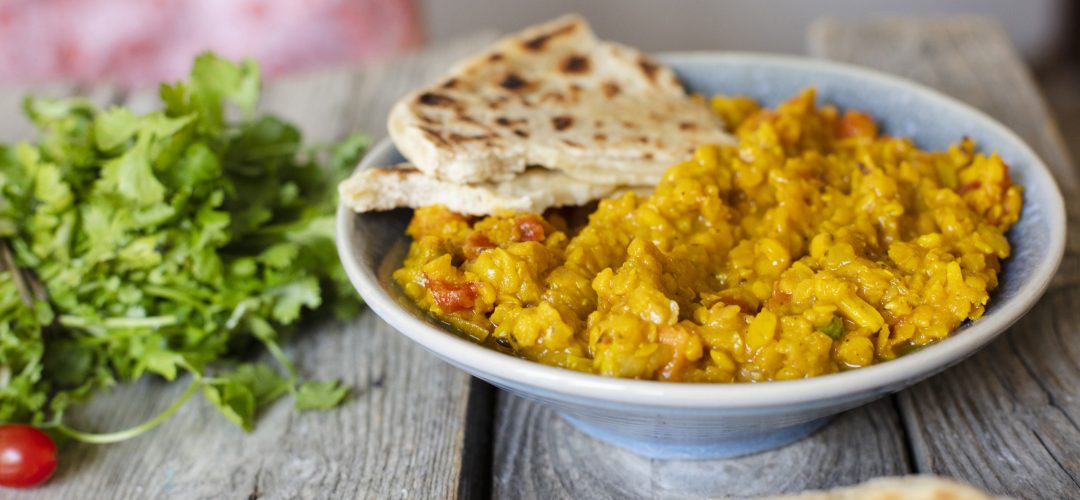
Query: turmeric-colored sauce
(815, 244)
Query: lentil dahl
(814, 245)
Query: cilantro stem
(7, 262)
(183, 297)
(113, 437)
(283, 360)
(147, 322)
(151, 322)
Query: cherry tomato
(27, 456)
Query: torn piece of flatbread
(897, 488)
(535, 190)
(554, 96)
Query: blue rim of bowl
(490, 364)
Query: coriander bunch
(165, 243)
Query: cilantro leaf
(239, 394)
(164, 363)
(234, 400)
(131, 177)
(291, 297)
(316, 395)
(263, 382)
(215, 81)
(114, 127)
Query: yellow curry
(813, 245)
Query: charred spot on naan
(648, 67)
(514, 83)
(464, 118)
(497, 102)
(434, 99)
(611, 89)
(539, 41)
(562, 122)
(510, 122)
(651, 69)
(460, 138)
(552, 96)
(433, 135)
(575, 64)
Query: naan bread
(535, 190)
(553, 96)
(897, 488)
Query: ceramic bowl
(680, 420)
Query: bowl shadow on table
(537, 453)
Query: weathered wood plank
(539, 455)
(1061, 84)
(1007, 418)
(400, 434)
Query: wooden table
(1006, 419)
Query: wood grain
(401, 432)
(1007, 418)
(1061, 85)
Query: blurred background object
(138, 42)
(1037, 27)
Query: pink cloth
(140, 42)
